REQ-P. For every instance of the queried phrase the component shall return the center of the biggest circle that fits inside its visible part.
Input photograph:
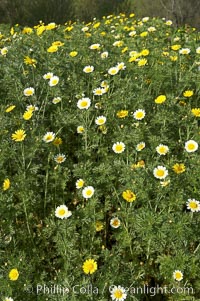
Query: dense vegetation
(100, 161)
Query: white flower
(80, 129)
(177, 275)
(193, 205)
(53, 81)
(48, 75)
(79, 183)
(121, 66)
(198, 50)
(118, 293)
(118, 147)
(191, 146)
(88, 192)
(140, 146)
(60, 158)
(56, 100)
(8, 299)
(84, 103)
(94, 46)
(84, 29)
(62, 212)
(4, 51)
(99, 91)
(88, 69)
(113, 70)
(162, 149)
(115, 222)
(104, 54)
(48, 137)
(184, 51)
(100, 120)
(139, 114)
(29, 91)
(160, 172)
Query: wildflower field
(100, 133)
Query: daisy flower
(118, 147)
(188, 93)
(178, 168)
(184, 51)
(29, 91)
(19, 135)
(4, 51)
(60, 158)
(28, 114)
(6, 184)
(80, 129)
(160, 99)
(191, 146)
(56, 100)
(99, 226)
(196, 112)
(115, 222)
(88, 69)
(49, 137)
(104, 54)
(13, 275)
(113, 70)
(89, 266)
(8, 299)
(139, 114)
(79, 183)
(162, 149)
(177, 275)
(160, 172)
(198, 50)
(100, 120)
(88, 192)
(53, 81)
(62, 212)
(140, 146)
(193, 205)
(48, 75)
(121, 66)
(99, 91)
(10, 108)
(129, 195)
(84, 103)
(57, 141)
(118, 293)
(122, 114)
(94, 46)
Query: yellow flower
(173, 58)
(40, 30)
(30, 61)
(129, 196)
(144, 34)
(196, 112)
(19, 135)
(6, 184)
(89, 266)
(50, 26)
(57, 141)
(142, 62)
(73, 53)
(27, 30)
(144, 52)
(28, 114)
(13, 274)
(96, 25)
(52, 48)
(139, 164)
(122, 114)
(188, 93)
(160, 99)
(99, 226)
(57, 43)
(179, 168)
(10, 108)
(175, 47)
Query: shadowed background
(30, 12)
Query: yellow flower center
(84, 104)
(118, 294)
(193, 205)
(160, 173)
(62, 212)
(191, 146)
